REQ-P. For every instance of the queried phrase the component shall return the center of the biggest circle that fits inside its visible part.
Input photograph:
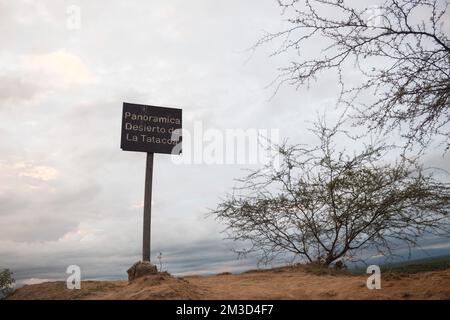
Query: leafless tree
(324, 204)
(400, 49)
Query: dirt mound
(155, 287)
(280, 283)
(151, 287)
(58, 291)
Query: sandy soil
(283, 283)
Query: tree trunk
(329, 260)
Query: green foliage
(422, 265)
(6, 282)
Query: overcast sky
(68, 194)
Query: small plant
(6, 283)
(160, 261)
(319, 269)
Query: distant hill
(409, 266)
(419, 265)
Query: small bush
(6, 283)
(321, 270)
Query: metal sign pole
(147, 208)
(148, 129)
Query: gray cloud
(68, 194)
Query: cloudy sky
(68, 194)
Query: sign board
(151, 129)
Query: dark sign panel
(151, 129)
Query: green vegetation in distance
(413, 266)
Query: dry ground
(281, 283)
